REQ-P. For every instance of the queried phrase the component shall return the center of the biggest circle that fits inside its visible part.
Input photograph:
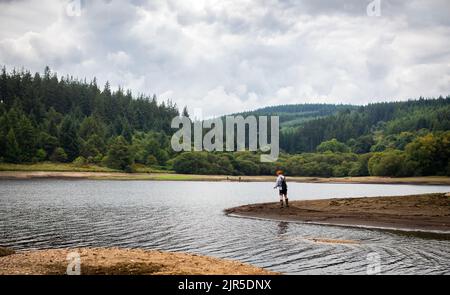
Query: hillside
(293, 115)
(374, 127)
(45, 119)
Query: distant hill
(373, 127)
(369, 125)
(293, 115)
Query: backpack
(283, 184)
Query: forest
(46, 118)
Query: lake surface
(188, 216)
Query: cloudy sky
(228, 56)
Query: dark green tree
(332, 145)
(119, 154)
(59, 155)
(68, 138)
(12, 150)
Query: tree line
(426, 154)
(371, 127)
(46, 118)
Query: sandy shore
(429, 180)
(427, 212)
(115, 261)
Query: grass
(143, 172)
(157, 176)
(140, 168)
(69, 167)
(49, 166)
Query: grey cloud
(233, 55)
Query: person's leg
(281, 199)
(286, 199)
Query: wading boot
(281, 203)
(287, 202)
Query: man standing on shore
(282, 186)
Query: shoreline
(422, 214)
(416, 232)
(75, 175)
(122, 261)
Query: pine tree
(69, 138)
(185, 112)
(12, 151)
(119, 154)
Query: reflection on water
(188, 216)
(282, 227)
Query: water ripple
(187, 216)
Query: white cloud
(230, 56)
(119, 58)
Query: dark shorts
(283, 192)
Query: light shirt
(280, 179)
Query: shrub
(151, 160)
(332, 146)
(129, 168)
(41, 155)
(79, 161)
(390, 163)
(59, 155)
(247, 167)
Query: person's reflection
(282, 227)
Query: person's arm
(278, 182)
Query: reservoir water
(188, 216)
